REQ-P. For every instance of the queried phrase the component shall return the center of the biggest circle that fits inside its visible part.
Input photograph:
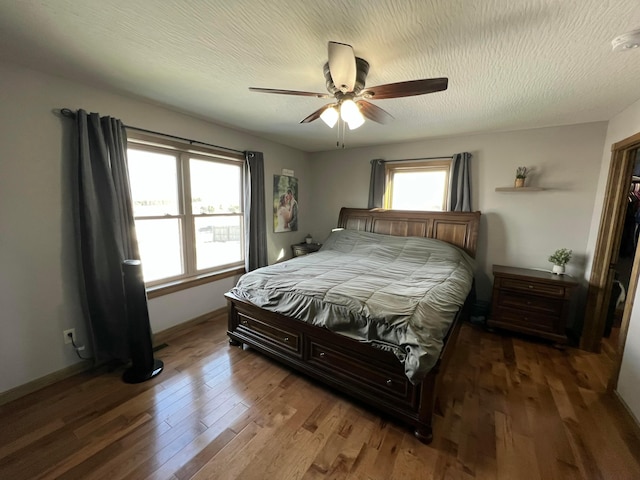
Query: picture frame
(285, 204)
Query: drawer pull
(321, 354)
(530, 286)
(389, 383)
(244, 322)
(286, 339)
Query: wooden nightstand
(531, 301)
(300, 249)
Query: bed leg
(234, 343)
(423, 433)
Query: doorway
(607, 252)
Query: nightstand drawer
(530, 320)
(533, 287)
(543, 305)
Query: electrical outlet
(66, 333)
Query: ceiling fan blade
(342, 65)
(373, 112)
(289, 92)
(316, 115)
(406, 89)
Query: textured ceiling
(511, 64)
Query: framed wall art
(285, 204)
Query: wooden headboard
(457, 228)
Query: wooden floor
(513, 409)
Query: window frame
(183, 153)
(392, 168)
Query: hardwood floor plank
(185, 463)
(510, 408)
(97, 444)
(414, 461)
(298, 454)
(301, 399)
(515, 453)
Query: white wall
(38, 288)
(623, 125)
(518, 229)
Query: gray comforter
(397, 293)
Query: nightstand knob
(244, 322)
(389, 383)
(321, 354)
(286, 339)
(530, 286)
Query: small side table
(531, 301)
(300, 249)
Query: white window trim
(183, 152)
(415, 166)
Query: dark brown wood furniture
(368, 374)
(300, 249)
(531, 301)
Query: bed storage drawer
(277, 336)
(361, 372)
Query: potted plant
(559, 259)
(521, 174)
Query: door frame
(608, 247)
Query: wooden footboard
(365, 373)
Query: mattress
(399, 294)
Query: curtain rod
(417, 159)
(67, 112)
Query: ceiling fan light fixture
(355, 123)
(330, 116)
(350, 113)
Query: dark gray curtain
(105, 229)
(255, 233)
(460, 184)
(376, 184)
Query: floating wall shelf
(519, 189)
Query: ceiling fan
(345, 75)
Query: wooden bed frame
(368, 374)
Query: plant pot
(308, 239)
(558, 269)
(519, 182)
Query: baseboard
(165, 335)
(39, 383)
(59, 375)
(627, 412)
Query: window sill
(176, 286)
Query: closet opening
(616, 263)
(624, 266)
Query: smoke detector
(626, 41)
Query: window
(417, 185)
(187, 206)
